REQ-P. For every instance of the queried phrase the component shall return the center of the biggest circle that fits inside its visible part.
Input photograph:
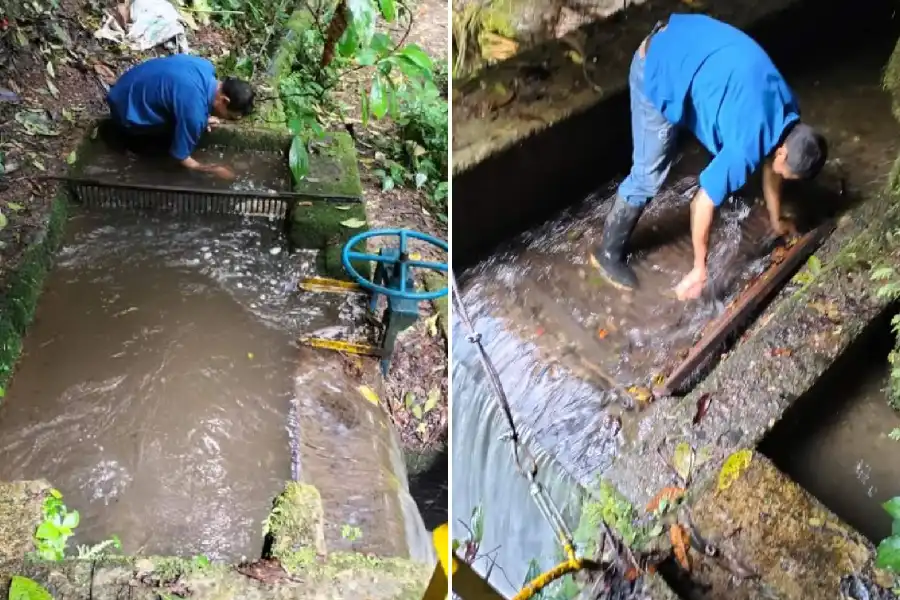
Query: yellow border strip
(323, 284)
(339, 346)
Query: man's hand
(222, 172)
(783, 227)
(692, 285)
(213, 121)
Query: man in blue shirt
(177, 97)
(710, 78)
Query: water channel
(557, 335)
(159, 388)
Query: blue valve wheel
(403, 262)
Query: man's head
(802, 154)
(234, 99)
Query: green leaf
(366, 57)
(349, 42)
(72, 519)
(434, 397)
(408, 400)
(895, 528)
(388, 10)
(888, 556)
(298, 158)
(882, 273)
(417, 56)
(2, 392)
(14, 206)
(363, 20)
(417, 411)
(3, 221)
(47, 531)
(421, 178)
(814, 265)
(892, 507)
(684, 461)
(378, 100)
(476, 524)
(381, 43)
(387, 184)
(72, 157)
(353, 223)
(23, 588)
(364, 106)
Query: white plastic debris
(275, 251)
(151, 23)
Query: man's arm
(190, 121)
(772, 183)
(702, 212)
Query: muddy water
(837, 444)
(558, 335)
(254, 170)
(156, 385)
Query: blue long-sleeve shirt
(714, 80)
(173, 91)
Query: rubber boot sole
(606, 277)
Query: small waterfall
(484, 473)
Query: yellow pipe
(571, 565)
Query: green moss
(318, 224)
(295, 528)
(892, 79)
(608, 506)
(333, 168)
(243, 137)
(18, 303)
(329, 263)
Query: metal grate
(110, 195)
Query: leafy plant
(888, 556)
(98, 550)
(889, 290)
(22, 588)
(351, 533)
(54, 532)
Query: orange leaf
(669, 494)
(602, 333)
(631, 574)
(781, 352)
(680, 544)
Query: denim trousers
(654, 140)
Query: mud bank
(532, 136)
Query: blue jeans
(654, 142)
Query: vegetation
(330, 43)
(52, 535)
(889, 289)
(888, 556)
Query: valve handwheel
(402, 261)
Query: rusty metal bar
(757, 293)
(210, 192)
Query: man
(178, 98)
(711, 79)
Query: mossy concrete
(770, 526)
(21, 511)
(296, 527)
(892, 79)
(22, 285)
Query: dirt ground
(53, 79)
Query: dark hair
(240, 95)
(807, 151)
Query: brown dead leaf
(106, 74)
(632, 573)
(702, 406)
(680, 544)
(669, 494)
(776, 352)
(602, 333)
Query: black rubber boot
(609, 257)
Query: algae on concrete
(892, 80)
(18, 300)
(296, 527)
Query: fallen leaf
(575, 57)
(250, 355)
(815, 522)
(641, 395)
(668, 494)
(105, 73)
(13, 206)
(602, 333)
(632, 573)
(3, 221)
(422, 429)
(434, 397)
(54, 91)
(683, 461)
(702, 406)
(343, 207)
(680, 544)
(408, 400)
(353, 223)
(417, 411)
(36, 122)
(369, 394)
(431, 324)
(734, 466)
(50, 70)
(72, 157)
(776, 352)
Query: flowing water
(160, 391)
(560, 338)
